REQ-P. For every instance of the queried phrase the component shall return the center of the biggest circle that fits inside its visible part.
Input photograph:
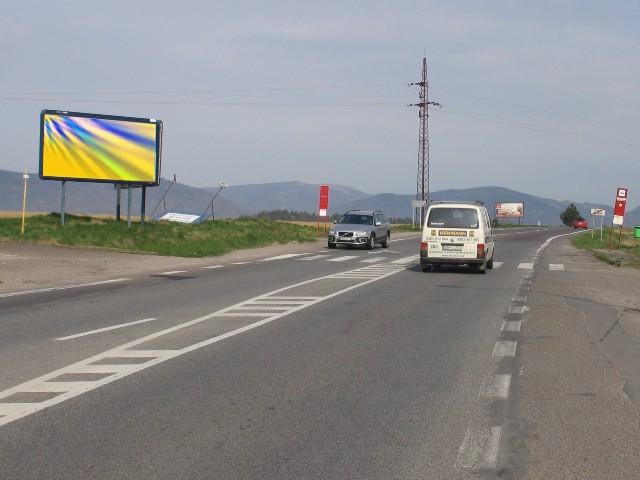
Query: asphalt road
(333, 364)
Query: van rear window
(453, 218)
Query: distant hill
(82, 197)
(296, 196)
(240, 200)
(545, 210)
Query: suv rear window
(453, 217)
(355, 219)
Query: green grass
(627, 254)
(162, 238)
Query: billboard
(99, 148)
(509, 210)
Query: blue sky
(542, 97)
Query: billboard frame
(495, 210)
(158, 150)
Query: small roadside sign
(180, 217)
(418, 203)
(618, 211)
(598, 212)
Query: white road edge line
(15, 411)
(106, 329)
(172, 272)
(65, 287)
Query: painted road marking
(556, 266)
(406, 260)
(240, 263)
(497, 264)
(214, 266)
(173, 272)
(65, 287)
(11, 411)
(106, 329)
(282, 257)
(525, 266)
(511, 326)
(373, 260)
(403, 239)
(505, 348)
(343, 258)
(517, 309)
(313, 257)
(519, 299)
(479, 449)
(497, 387)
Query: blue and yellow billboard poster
(99, 148)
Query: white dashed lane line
(313, 257)
(285, 256)
(241, 263)
(213, 266)
(372, 260)
(65, 287)
(525, 266)
(511, 326)
(556, 266)
(342, 259)
(505, 348)
(106, 329)
(173, 272)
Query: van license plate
(452, 248)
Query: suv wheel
(331, 245)
(371, 244)
(387, 241)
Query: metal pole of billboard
(62, 195)
(129, 206)
(593, 222)
(143, 205)
(601, 225)
(118, 196)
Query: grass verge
(627, 254)
(161, 238)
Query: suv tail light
(424, 246)
(481, 252)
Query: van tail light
(424, 246)
(481, 252)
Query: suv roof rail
(440, 202)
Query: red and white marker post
(323, 207)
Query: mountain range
(234, 201)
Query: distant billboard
(509, 210)
(99, 148)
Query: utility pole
(422, 182)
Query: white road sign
(418, 203)
(180, 217)
(598, 212)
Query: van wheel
(426, 268)
(490, 263)
(480, 267)
(371, 244)
(387, 241)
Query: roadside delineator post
(25, 176)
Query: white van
(457, 233)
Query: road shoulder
(575, 410)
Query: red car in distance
(580, 223)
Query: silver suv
(361, 227)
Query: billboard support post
(62, 195)
(143, 202)
(129, 206)
(118, 196)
